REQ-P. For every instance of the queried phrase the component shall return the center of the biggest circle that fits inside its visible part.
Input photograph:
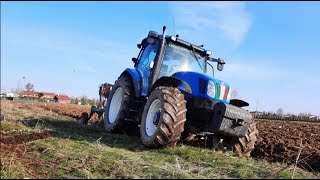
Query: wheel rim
(153, 117)
(115, 105)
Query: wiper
(194, 54)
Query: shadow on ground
(90, 133)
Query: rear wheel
(245, 145)
(163, 117)
(118, 102)
(84, 118)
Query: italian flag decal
(221, 91)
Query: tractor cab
(165, 56)
(178, 55)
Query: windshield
(178, 58)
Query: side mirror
(146, 41)
(135, 60)
(150, 40)
(153, 34)
(220, 66)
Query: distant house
(62, 99)
(49, 97)
(45, 96)
(30, 94)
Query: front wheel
(119, 100)
(163, 117)
(245, 145)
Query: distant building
(30, 94)
(12, 94)
(9, 96)
(3, 95)
(48, 97)
(256, 113)
(314, 117)
(62, 99)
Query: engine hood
(198, 83)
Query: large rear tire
(163, 117)
(245, 145)
(118, 103)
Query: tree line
(84, 100)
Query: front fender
(173, 82)
(134, 74)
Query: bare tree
(94, 102)
(4, 90)
(76, 101)
(72, 100)
(40, 95)
(280, 111)
(305, 114)
(234, 94)
(29, 87)
(84, 100)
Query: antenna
(174, 31)
(257, 105)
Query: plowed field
(71, 110)
(278, 140)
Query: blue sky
(271, 48)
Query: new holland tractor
(168, 96)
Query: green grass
(77, 151)
(9, 126)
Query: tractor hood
(205, 86)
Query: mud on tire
(123, 90)
(245, 145)
(168, 124)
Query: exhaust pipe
(159, 57)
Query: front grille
(202, 85)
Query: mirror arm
(219, 60)
(212, 68)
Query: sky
(271, 49)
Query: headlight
(229, 95)
(211, 89)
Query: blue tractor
(168, 96)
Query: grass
(78, 151)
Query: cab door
(146, 58)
